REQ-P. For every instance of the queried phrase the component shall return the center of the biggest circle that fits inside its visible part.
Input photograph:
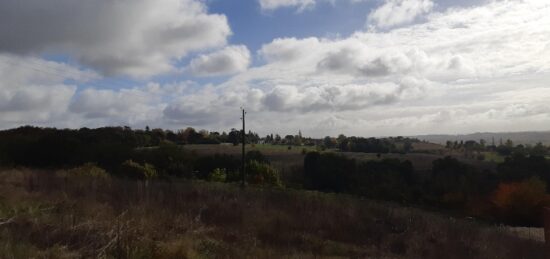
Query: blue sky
(255, 27)
(358, 67)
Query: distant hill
(526, 137)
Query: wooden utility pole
(546, 219)
(243, 162)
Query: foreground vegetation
(84, 212)
(511, 192)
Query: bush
(521, 202)
(168, 159)
(133, 170)
(86, 170)
(218, 175)
(388, 179)
(262, 174)
(519, 167)
(455, 182)
(327, 172)
(480, 157)
(257, 156)
(203, 166)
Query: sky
(324, 67)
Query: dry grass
(47, 215)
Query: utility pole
(243, 166)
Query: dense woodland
(514, 193)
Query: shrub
(135, 170)
(206, 164)
(257, 156)
(480, 157)
(457, 182)
(86, 170)
(389, 179)
(519, 167)
(168, 159)
(327, 171)
(218, 175)
(521, 202)
(262, 174)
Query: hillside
(527, 137)
(49, 214)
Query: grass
(266, 149)
(284, 159)
(493, 157)
(51, 215)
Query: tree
(521, 202)
(277, 139)
(234, 136)
(519, 167)
(328, 142)
(455, 182)
(538, 150)
(289, 139)
(390, 179)
(327, 172)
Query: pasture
(285, 159)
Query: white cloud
(288, 49)
(33, 91)
(483, 68)
(398, 12)
(124, 103)
(139, 38)
(300, 5)
(275, 4)
(329, 98)
(407, 80)
(227, 61)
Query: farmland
(284, 158)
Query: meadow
(83, 214)
(289, 161)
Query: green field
(266, 149)
(493, 157)
(285, 158)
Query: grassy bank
(46, 214)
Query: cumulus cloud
(331, 98)
(94, 103)
(398, 12)
(275, 4)
(139, 38)
(288, 49)
(34, 90)
(411, 78)
(227, 61)
(460, 70)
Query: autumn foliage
(520, 202)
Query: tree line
(506, 148)
(514, 194)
